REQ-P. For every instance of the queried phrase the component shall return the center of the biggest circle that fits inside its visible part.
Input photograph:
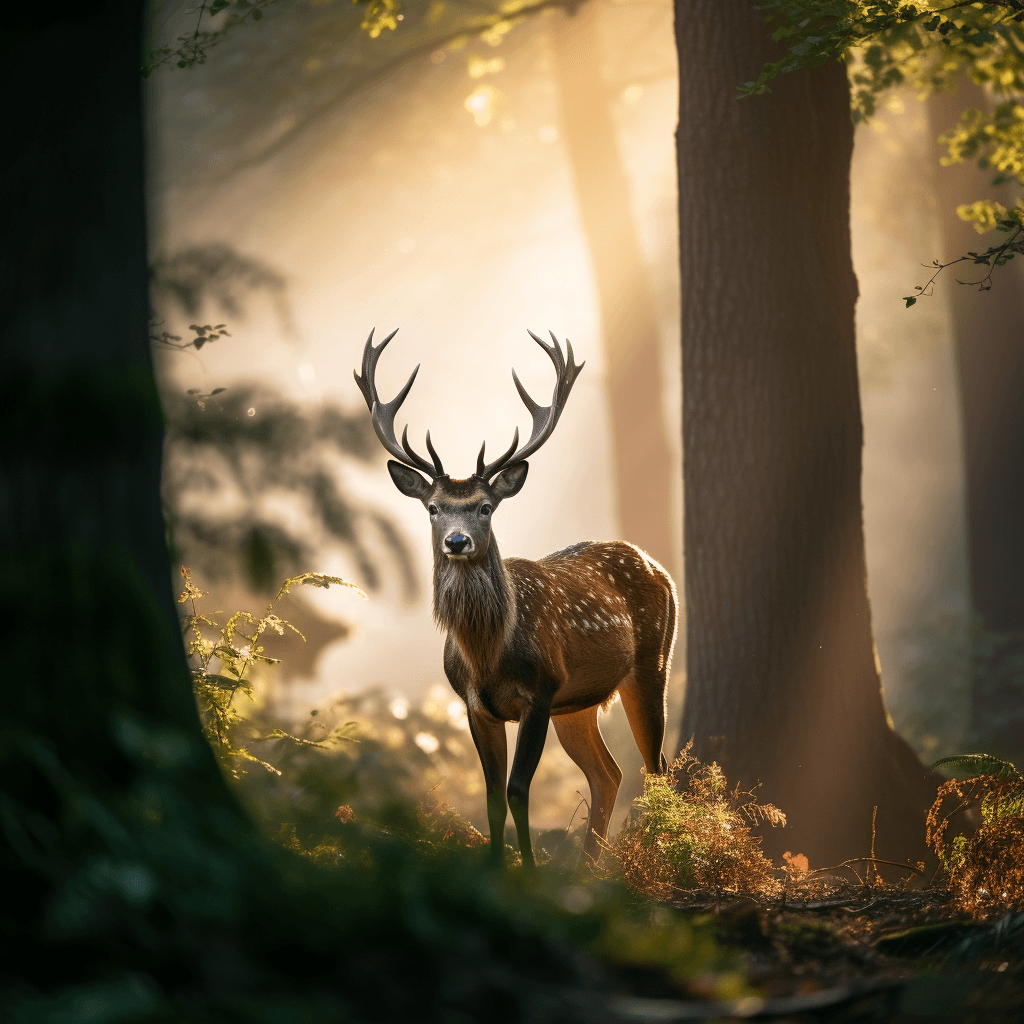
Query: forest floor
(854, 953)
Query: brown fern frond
(986, 869)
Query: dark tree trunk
(100, 729)
(644, 466)
(782, 683)
(81, 525)
(988, 334)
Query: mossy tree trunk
(988, 336)
(782, 683)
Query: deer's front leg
(492, 746)
(533, 731)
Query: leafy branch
(886, 43)
(994, 256)
(202, 333)
(192, 49)
(889, 33)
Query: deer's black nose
(456, 542)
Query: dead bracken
(986, 869)
(689, 831)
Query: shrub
(986, 869)
(691, 832)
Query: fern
(692, 832)
(986, 868)
(225, 666)
(981, 764)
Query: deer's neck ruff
(475, 602)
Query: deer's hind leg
(643, 699)
(581, 738)
(644, 691)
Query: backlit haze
(439, 200)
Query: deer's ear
(510, 481)
(408, 481)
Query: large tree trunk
(644, 466)
(102, 747)
(988, 333)
(782, 682)
(81, 525)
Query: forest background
(103, 739)
(369, 179)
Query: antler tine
(410, 458)
(483, 471)
(438, 468)
(544, 417)
(382, 414)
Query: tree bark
(988, 335)
(80, 519)
(644, 466)
(782, 682)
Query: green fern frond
(981, 764)
(999, 806)
(243, 753)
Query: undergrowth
(986, 868)
(690, 831)
(340, 803)
(330, 791)
(224, 667)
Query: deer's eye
(485, 509)
(432, 509)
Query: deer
(554, 640)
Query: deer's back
(587, 611)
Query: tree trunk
(81, 521)
(782, 682)
(644, 466)
(101, 733)
(988, 334)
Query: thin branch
(990, 258)
(863, 860)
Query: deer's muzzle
(458, 545)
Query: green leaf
(909, 300)
(980, 764)
(257, 14)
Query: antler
(544, 417)
(382, 414)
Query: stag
(532, 642)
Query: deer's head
(460, 510)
